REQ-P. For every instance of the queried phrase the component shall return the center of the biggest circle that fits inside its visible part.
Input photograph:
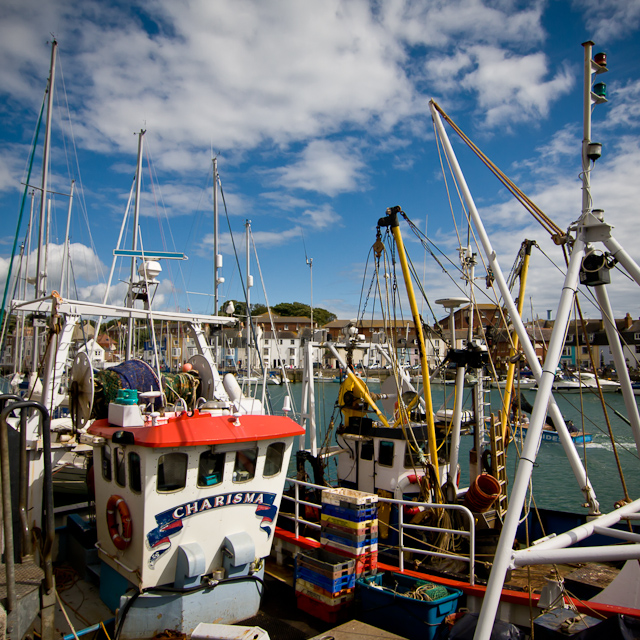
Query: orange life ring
(121, 541)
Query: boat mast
(39, 284)
(249, 285)
(451, 304)
(65, 252)
(217, 259)
(391, 220)
(134, 244)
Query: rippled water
(554, 484)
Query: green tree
(240, 308)
(301, 310)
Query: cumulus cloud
(512, 88)
(325, 167)
(612, 20)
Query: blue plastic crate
(353, 541)
(333, 586)
(354, 515)
(383, 605)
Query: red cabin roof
(190, 430)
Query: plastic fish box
(326, 563)
(349, 539)
(341, 497)
(383, 605)
(354, 515)
(349, 525)
(322, 594)
(331, 585)
(349, 532)
(329, 613)
(366, 564)
(347, 550)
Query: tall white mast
(43, 198)
(134, 244)
(249, 285)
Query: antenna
(309, 262)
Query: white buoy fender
(232, 387)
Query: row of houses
(279, 341)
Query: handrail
(299, 521)
(48, 519)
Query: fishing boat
(550, 435)
(388, 446)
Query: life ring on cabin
(117, 503)
(404, 482)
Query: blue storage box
(383, 605)
(360, 514)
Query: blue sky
(318, 114)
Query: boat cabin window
(105, 459)
(366, 450)
(245, 466)
(385, 453)
(172, 471)
(120, 459)
(210, 468)
(411, 457)
(135, 475)
(273, 459)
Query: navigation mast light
(601, 59)
(600, 89)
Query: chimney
(628, 321)
(548, 314)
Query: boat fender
(231, 386)
(117, 503)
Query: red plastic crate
(332, 614)
(367, 564)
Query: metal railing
(404, 529)
(8, 405)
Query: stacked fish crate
(350, 527)
(325, 584)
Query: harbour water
(553, 481)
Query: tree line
(288, 309)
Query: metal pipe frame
(621, 366)
(528, 349)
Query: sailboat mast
(65, 252)
(134, 243)
(43, 197)
(217, 259)
(249, 285)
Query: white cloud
(325, 167)
(513, 88)
(610, 20)
(323, 217)
(439, 22)
(623, 108)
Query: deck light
(594, 151)
(600, 89)
(601, 59)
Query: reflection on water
(554, 484)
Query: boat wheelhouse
(186, 504)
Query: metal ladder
(498, 463)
